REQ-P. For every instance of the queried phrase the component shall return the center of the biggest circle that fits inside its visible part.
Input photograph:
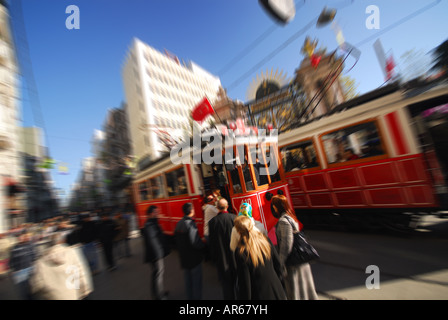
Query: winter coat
(88, 232)
(123, 232)
(107, 231)
(62, 273)
(191, 247)
(219, 241)
(22, 256)
(261, 282)
(154, 240)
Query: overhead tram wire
(278, 50)
(253, 45)
(323, 88)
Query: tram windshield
(252, 167)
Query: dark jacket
(191, 247)
(220, 230)
(23, 255)
(107, 230)
(154, 240)
(261, 282)
(88, 231)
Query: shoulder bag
(302, 252)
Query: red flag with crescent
(202, 110)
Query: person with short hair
(191, 252)
(156, 248)
(219, 241)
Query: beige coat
(62, 273)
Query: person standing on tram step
(219, 244)
(210, 211)
(156, 248)
(257, 263)
(191, 252)
(298, 280)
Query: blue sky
(78, 72)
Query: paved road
(410, 267)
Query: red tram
(239, 177)
(373, 159)
(376, 159)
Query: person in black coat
(88, 236)
(258, 264)
(191, 252)
(156, 248)
(107, 230)
(220, 230)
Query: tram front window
(234, 176)
(269, 168)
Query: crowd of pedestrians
(56, 259)
(248, 264)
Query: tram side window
(143, 191)
(157, 187)
(299, 156)
(351, 143)
(176, 182)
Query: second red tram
(372, 160)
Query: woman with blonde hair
(258, 265)
(298, 280)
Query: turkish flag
(315, 60)
(390, 66)
(202, 110)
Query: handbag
(302, 251)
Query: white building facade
(9, 118)
(161, 92)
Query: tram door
(254, 176)
(433, 135)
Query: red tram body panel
(398, 182)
